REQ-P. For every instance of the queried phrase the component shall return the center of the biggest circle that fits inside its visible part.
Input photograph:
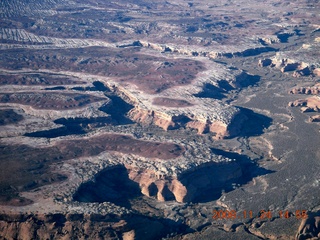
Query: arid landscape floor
(177, 120)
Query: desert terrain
(176, 120)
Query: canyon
(137, 120)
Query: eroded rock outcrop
(314, 90)
(303, 62)
(79, 226)
(175, 119)
(163, 188)
(310, 227)
(189, 185)
(316, 72)
(287, 65)
(311, 104)
(314, 118)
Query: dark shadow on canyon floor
(211, 91)
(229, 172)
(255, 51)
(97, 86)
(9, 116)
(245, 80)
(110, 185)
(118, 109)
(254, 123)
(310, 228)
(72, 126)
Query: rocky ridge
(218, 51)
(314, 90)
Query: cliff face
(217, 127)
(150, 116)
(192, 185)
(168, 122)
(163, 188)
(123, 183)
(189, 120)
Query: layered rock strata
(215, 123)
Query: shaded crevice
(245, 80)
(224, 87)
(310, 227)
(56, 88)
(254, 124)
(283, 37)
(134, 44)
(179, 122)
(248, 123)
(207, 183)
(211, 91)
(97, 86)
(8, 116)
(250, 169)
(118, 109)
(246, 229)
(254, 52)
(72, 126)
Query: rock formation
(309, 104)
(188, 186)
(73, 225)
(310, 227)
(314, 90)
(315, 118)
(303, 62)
(175, 119)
